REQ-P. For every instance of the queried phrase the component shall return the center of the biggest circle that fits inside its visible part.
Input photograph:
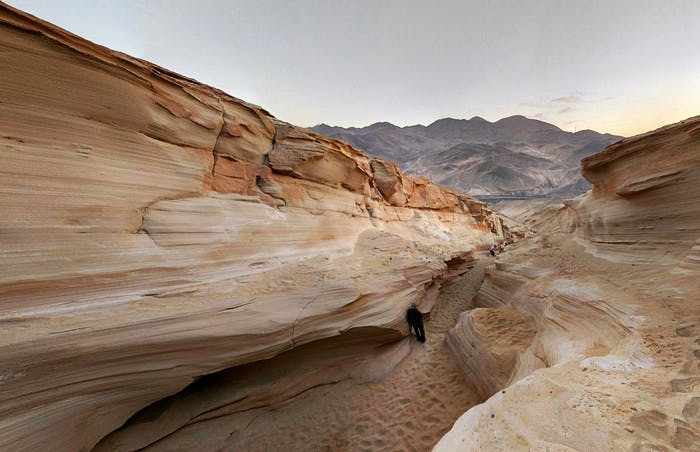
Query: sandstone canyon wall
(591, 341)
(644, 205)
(154, 229)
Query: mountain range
(515, 156)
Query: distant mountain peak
(382, 125)
(514, 155)
(521, 122)
(446, 121)
(323, 128)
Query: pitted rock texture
(613, 360)
(154, 229)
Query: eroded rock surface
(644, 203)
(342, 393)
(154, 229)
(543, 216)
(590, 341)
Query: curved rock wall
(591, 341)
(692, 259)
(154, 229)
(644, 203)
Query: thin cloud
(565, 110)
(538, 115)
(572, 99)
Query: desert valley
(183, 271)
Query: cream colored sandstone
(614, 360)
(154, 229)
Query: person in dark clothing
(493, 249)
(415, 321)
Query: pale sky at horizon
(622, 67)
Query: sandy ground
(409, 410)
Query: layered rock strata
(154, 229)
(591, 341)
(217, 410)
(543, 216)
(644, 203)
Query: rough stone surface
(154, 229)
(543, 216)
(644, 203)
(343, 393)
(590, 341)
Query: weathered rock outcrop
(543, 216)
(692, 260)
(155, 229)
(644, 203)
(591, 341)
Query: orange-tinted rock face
(305, 155)
(154, 229)
(393, 186)
(425, 194)
(232, 176)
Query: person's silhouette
(415, 321)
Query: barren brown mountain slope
(512, 156)
(591, 340)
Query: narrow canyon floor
(410, 409)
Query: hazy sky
(614, 66)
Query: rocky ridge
(515, 156)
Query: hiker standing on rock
(415, 321)
(493, 250)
